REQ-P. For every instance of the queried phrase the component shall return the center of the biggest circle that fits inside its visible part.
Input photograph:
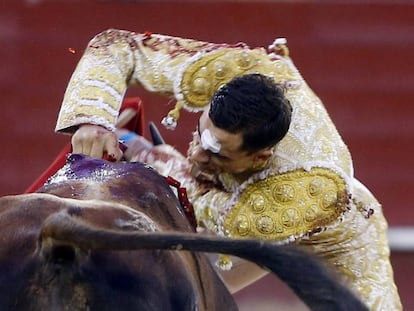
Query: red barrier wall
(355, 55)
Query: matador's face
(214, 151)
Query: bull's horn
(306, 275)
(157, 139)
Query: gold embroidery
(99, 73)
(88, 110)
(205, 76)
(96, 93)
(290, 204)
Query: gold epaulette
(288, 205)
(202, 78)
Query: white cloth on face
(209, 142)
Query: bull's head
(102, 236)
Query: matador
(307, 194)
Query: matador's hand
(96, 141)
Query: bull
(113, 236)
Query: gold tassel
(170, 121)
(224, 262)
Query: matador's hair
(255, 106)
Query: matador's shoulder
(288, 206)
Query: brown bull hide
(98, 236)
(50, 274)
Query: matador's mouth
(202, 175)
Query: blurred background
(356, 55)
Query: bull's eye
(62, 254)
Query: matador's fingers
(96, 141)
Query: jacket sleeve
(116, 59)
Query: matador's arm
(115, 59)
